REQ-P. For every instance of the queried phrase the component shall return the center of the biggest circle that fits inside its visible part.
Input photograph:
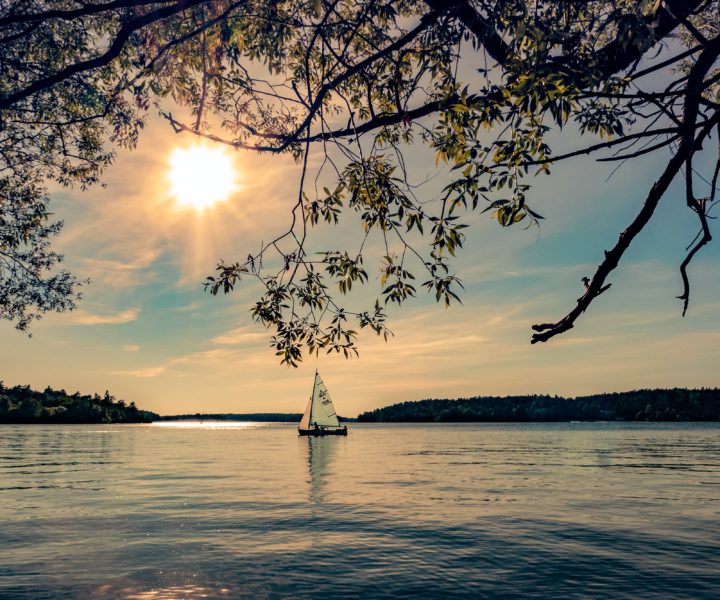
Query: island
(21, 404)
(678, 404)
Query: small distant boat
(320, 417)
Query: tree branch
(116, 47)
(331, 85)
(620, 54)
(483, 31)
(688, 146)
(67, 15)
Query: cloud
(192, 307)
(140, 262)
(240, 336)
(82, 317)
(143, 372)
(131, 347)
(120, 272)
(202, 359)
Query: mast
(312, 399)
(307, 415)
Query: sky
(147, 332)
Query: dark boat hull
(321, 432)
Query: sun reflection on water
(182, 424)
(175, 592)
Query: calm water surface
(214, 510)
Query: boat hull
(322, 432)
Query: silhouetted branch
(494, 45)
(688, 146)
(113, 51)
(85, 10)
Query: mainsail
(320, 409)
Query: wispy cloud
(82, 317)
(131, 347)
(205, 359)
(188, 308)
(143, 372)
(241, 335)
(120, 272)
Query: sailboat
(320, 417)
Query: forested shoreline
(264, 417)
(21, 404)
(678, 404)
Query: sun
(201, 176)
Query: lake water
(191, 510)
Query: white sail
(305, 421)
(322, 411)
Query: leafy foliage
(483, 85)
(29, 283)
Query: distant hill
(677, 404)
(20, 404)
(265, 417)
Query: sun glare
(201, 176)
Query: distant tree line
(676, 404)
(20, 404)
(268, 417)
